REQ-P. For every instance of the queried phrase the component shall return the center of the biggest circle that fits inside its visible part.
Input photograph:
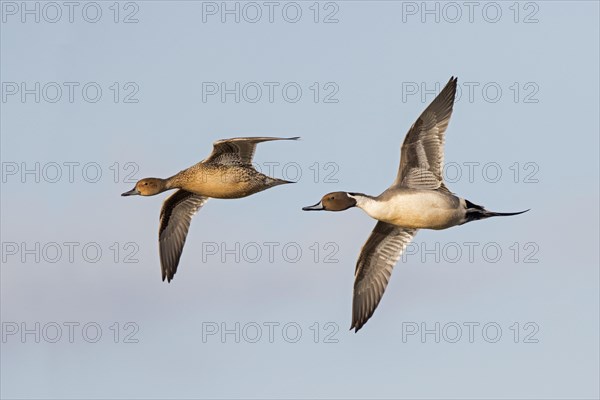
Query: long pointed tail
(276, 181)
(476, 212)
(488, 214)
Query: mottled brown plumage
(227, 173)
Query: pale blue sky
(545, 125)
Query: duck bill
(316, 207)
(132, 192)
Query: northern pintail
(227, 173)
(418, 199)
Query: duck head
(335, 201)
(147, 187)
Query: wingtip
(453, 81)
(355, 326)
(169, 278)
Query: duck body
(227, 173)
(417, 199)
(222, 181)
(414, 208)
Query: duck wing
(374, 268)
(175, 217)
(422, 153)
(237, 151)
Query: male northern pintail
(418, 199)
(227, 173)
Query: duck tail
(276, 182)
(476, 212)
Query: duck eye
(145, 183)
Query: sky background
(525, 136)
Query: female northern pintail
(418, 199)
(227, 173)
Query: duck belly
(421, 210)
(224, 182)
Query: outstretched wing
(175, 216)
(374, 268)
(237, 151)
(422, 154)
